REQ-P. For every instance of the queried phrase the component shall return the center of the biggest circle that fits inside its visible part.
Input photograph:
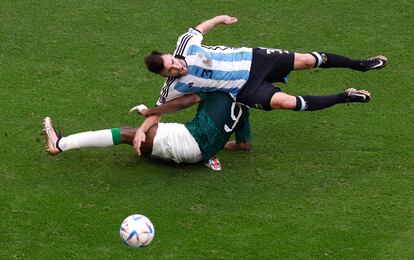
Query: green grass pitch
(337, 183)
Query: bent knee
(304, 61)
(281, 100)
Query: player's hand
(231, 146)
(226, 19)
(140, 110)
(243, 146)
(138, 139)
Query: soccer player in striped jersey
(247, 73)
(218, 116)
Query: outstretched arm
(172, 106)
(206, 26)
(154, 116)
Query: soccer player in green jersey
(218, 116)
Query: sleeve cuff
(196, 30)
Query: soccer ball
(137, 231)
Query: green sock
(116, 135)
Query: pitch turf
(331, 184)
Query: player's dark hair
(154, 62)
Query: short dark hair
(154, 62)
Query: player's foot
(213, 163)
(376, 63)
(52, 137)
(358, 96)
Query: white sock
(101, 138)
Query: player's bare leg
(304, 61)
(282, 100)
(128, 135)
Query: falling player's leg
(329, 60)
(282, 100)
(57, 143)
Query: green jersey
(218, 116)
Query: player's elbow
(189, 100)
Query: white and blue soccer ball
(137, 231)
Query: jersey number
(270, 51)
(234, 117)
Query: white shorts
(173, 142)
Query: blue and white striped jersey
(210, 68)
